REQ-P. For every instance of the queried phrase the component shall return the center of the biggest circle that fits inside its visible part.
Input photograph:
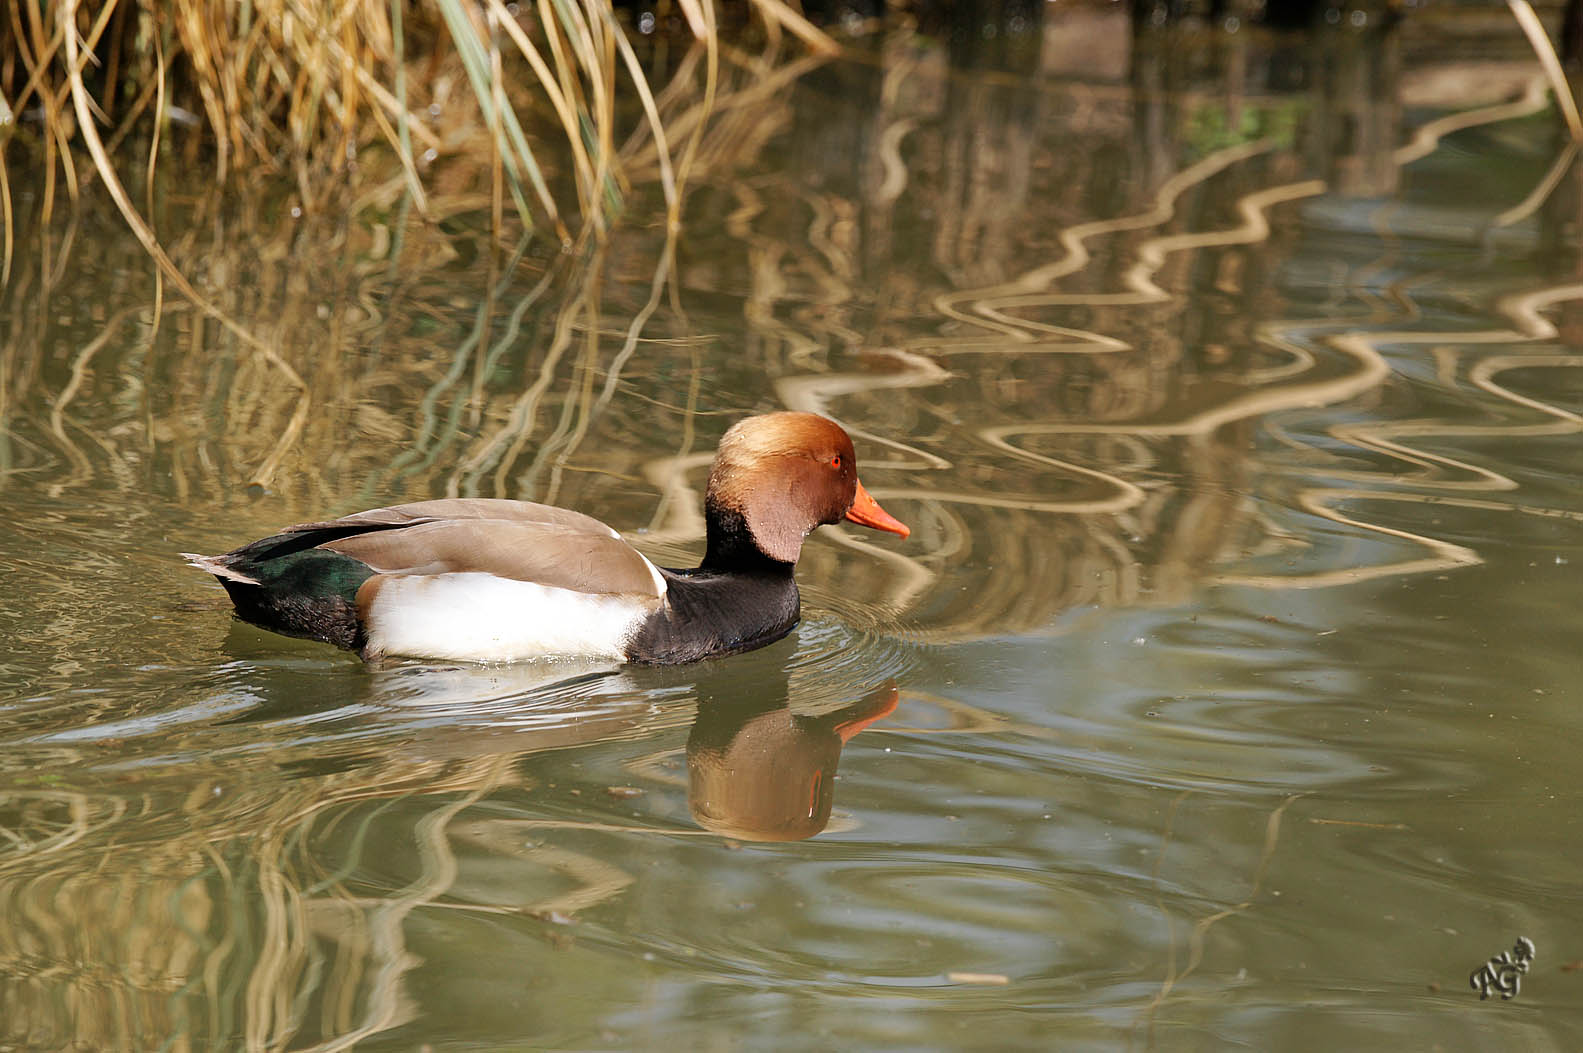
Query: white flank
(477, 617)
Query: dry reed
(316, 130)
(305, 91)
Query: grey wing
(461, 508)
(567, 555)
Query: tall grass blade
(641, 84)
(557, 98)
(8, 248)
(1546, 52)
(516, 150)
(705, 16)
(145, 235)
(597, 124)
(398, 35)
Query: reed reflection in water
(1205, 416)
(270, 900)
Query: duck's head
(780, 475)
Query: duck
(498, 580)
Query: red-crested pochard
(490, 580)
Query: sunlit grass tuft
(298, 122)
(305, 90)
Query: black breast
(709, 612)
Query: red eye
(835, 462)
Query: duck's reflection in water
(365, 803)
(761, 765)
(758, 771)
(758, 767)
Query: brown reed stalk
(306, 88)
(338, 104)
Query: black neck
(712, 612)
(730, 546)
(737, 599)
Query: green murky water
(1234, 653)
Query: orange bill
(879, 704)
(866, 511)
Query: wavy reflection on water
(270, 899)
(1123, 440)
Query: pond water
(1222, 696)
